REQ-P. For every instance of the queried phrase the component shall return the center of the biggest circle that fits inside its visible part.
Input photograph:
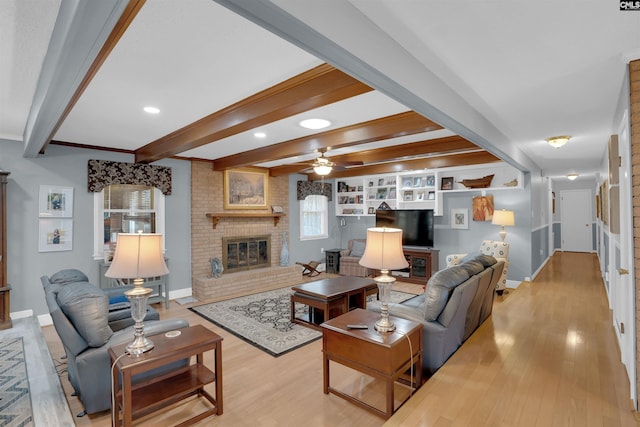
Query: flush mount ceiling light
(315, 123)
(260, 135)
(572, 176)
(558, 141)
(151, 110)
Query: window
(125, 208)
(314, 218)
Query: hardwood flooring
(546, 357)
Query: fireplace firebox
(246, 252)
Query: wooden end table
(386, 356)
(328, 298)
(133, 400)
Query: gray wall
(67, 167)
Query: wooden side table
(132, 400)
(332, 260)
(385, 356)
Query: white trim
(21, 314)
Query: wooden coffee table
(329, 298)
(381, 355)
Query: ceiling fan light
(558, 141)
(315, 123)
(572, 176)
(322, 170)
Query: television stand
(423, 262)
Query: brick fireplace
(207, 242)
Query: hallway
(546, 357)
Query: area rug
(15, 400)
(263, 319)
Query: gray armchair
(80, 314)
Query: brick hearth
(245, 282)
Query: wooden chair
(310, 269)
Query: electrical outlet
(321, 250)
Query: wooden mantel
(215, 216)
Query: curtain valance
(318, 188)
(104, 172)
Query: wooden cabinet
(5, 288)
(422, 264)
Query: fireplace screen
(245, 253)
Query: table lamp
(383, 252)
(503, 217)
(138, 256)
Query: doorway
(576, 220)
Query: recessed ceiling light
(572, 176)
(315, 123)
(151, 110)
(260, 134)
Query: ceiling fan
(323, 166)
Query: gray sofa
(80, 314)
(456, 301)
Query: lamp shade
(383, 250)
(503, 217)
(322, 170)
(138, 256)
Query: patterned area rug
(15, 400)
(263, 319)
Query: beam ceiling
(312, 89)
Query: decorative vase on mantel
(284, 252)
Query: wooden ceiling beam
(462, 159)
(450, 144)
(402, 124)
(312, 89)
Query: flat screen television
(416, 225)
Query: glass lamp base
(138, 299)
(385, 283)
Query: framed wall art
(55, 201)
(246, 188)
(460, 219)
(55, 234)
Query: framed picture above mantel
(246, 188)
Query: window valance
(308, 188)
(102, 173)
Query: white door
(575, 220)
(623, 275)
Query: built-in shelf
(215, 216)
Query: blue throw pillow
(357, 248)
(117, 299)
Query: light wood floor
(546, 357)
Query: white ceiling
(511, 73)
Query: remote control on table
(357, 326)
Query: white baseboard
(21, 314)
(513, 284)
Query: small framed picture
(460, 219)
(420, 195)
(431, 195)
(55, 201)
(370, 183)
(55, 234)
(408, 196)
(392, 193)
(417, 181)
(276, 209)
(380, 182)
(372, 210)
(447, 183)
(431, 181)
(406, 182)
